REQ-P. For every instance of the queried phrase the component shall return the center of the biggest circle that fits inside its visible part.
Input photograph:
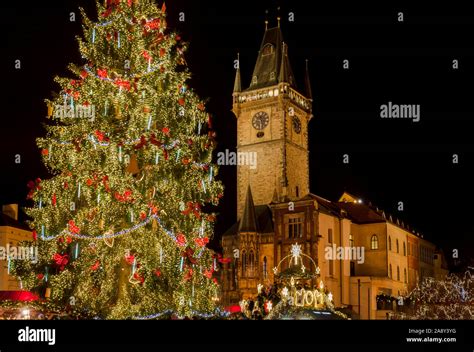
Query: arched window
(251, 262)
(267, 49)
(351, 241)
(398, 273)
(389, 243)
(390, 271)
(244, 263)
(398, 248)
(405, 275)
(374, 242)
(254, 80)
(272, 76)
(264, 267)
(404, 249)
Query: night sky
(390, 160)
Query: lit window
(251, 263)
(295, 227)
(272, 76)
(254, 80)
(244, 263)
(374, 242)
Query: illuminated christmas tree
(120, 226)
(451, 298)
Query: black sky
(390, 160)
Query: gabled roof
(264, 222)
(361, 213)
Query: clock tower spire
(272, 128)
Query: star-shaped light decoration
(284, 292)
(292, 281)
(259, 288)
(275, 270)
(321, 285)
(296, 252)
(269, 306)
(318, 270)
(330, 297)
(303, 268)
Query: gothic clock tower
(272, 122)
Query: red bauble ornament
(95, 266)
(162, 52)
(208, 273)
(45, 152)
(181, 240)
(181, 101)
(53, 200)
(157, 273)
(166, 130)
(73, 228)
(102, 73)
(40, 276)
(130, 259)
(202, 241)
(35, 235)
(84, 74)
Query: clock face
(260, 120)
(297, 125)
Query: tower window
(405, 275)
(272, 76)
(398, 273)
(330, 236)
(351, 241)
(389, 243)
(374, 242)
(254, 80)
(297, 191)
(398, 248)
(404, 249)
(390, 271)
(268, 49)
(251, 263)
(295, 227)
(244, 263)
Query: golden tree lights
(120, 226)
